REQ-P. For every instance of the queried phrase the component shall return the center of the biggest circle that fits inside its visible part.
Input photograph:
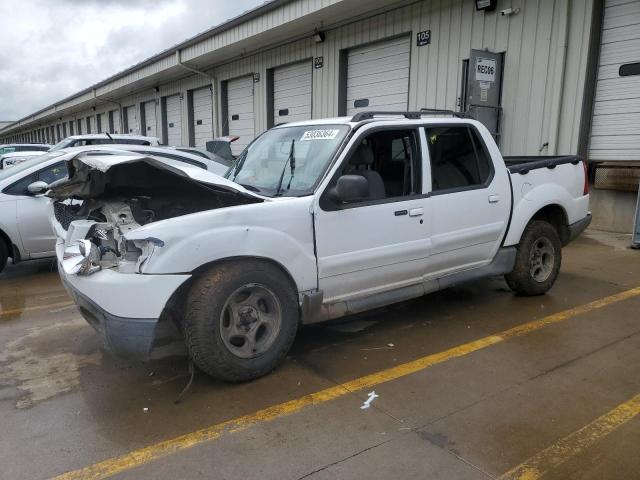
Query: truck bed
(524, 164)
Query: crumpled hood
(88, 175)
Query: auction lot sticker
(320, 134)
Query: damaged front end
(107, 197)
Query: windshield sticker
(319, 135)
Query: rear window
(458, 159)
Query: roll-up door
(378, 76)
(102, 125)
(202, 103)
(174, 121)
(150, 122)
(292, 93)
(115, 121)
(240, 112)
(615, 128)
(132, 120)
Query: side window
(390, 161)
(53, 173)
(458, 159)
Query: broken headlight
(81, 258)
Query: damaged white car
(315, 220)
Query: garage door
(240, 112)
(202, 116)
(132, 120)
(292, 93)
(101, 123)
(115, 117)
(174, 121)
(378, 76)
(150, 122)
(615, 129)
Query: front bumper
(124, 308)
(575, 229)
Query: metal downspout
(214, 88)
(559, 88)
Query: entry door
(174, 120)
(377, 245)
(470, 200)
(115, 115)
(292, 93)
(202, 116)
(483, 90)
(150, 119)
(240, 112)
(378, 76)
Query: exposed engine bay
(106, 205)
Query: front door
(33, 213)
(382, 242)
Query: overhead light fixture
(486, 5)
(156, 89)
(318, 37)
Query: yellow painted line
(575, 443)
(144, 455)
(17, 311)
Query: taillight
(585, 189)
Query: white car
(105, 139)
(315, 220)
(25, 230)
(12, 159)
(24, 147)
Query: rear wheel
(4, 254)
(241, 320)
(538, 260)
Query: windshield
(288, 160)
(62, 144)
(27, 164)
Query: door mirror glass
(350, 189)
(38, 187)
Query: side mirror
(38, 187)
(350, 189)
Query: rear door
(240, 112)
(132, 120)
(470, 200)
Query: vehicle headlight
(81, 258)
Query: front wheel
(241, 320)
(537, 261)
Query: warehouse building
(546, 76)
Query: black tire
(212, 304)
(4, 254)
(538, 260)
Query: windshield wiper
(291, 160)
(249, 187)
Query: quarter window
(458, 159)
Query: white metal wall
(545, 45)
(292, 90)
(615, 130)
(202, 116)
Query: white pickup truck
(315, 220)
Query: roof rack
(369, 115)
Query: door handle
(494, 198)
(415, 212)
